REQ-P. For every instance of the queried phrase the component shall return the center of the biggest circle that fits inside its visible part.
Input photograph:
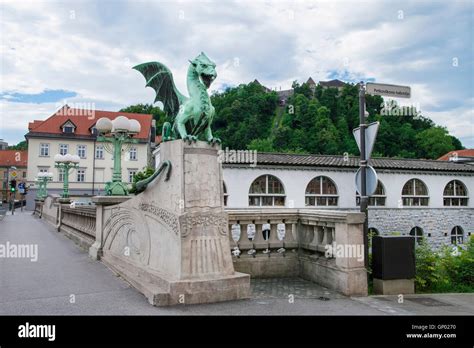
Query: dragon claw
(190, 139)
(214, 141)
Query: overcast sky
(81, 52)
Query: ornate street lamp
(66, 163)
(42, 179)
(114, 134)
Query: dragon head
(205, 68)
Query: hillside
(320, 121)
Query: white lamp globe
(49, 174)
(135, 126)
(121, 124)
(40, 175)
(58, 158)
(104, 125)
(75, 158)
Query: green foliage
(445, 270)
(158, 115)
(261, 145)
(22, 145)
(145, 173)
(434, 142)
(321, 122)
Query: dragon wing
(160, 78)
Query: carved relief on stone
(126, 234)
(168, 219)
(204, 221)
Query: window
(61, 174)
(131, 173)
(81, 151)
(415, 193)
(99, 152)
(321, 191)
(266, 190)
(42, 169)
(457, 235)
(417, 232)
(24, 174)
(224, 188)
(133, 154)
(455, 194)
(377, 199)
(44, 150)
(68, 127)
(81, 175)
(63, 149)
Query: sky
(81, 52)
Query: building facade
(13, 165)
(72, 131)
(423, 198)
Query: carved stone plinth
(171, 241)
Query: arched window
(224, 189)
(377, 199)
(321, 191)
(415, 193)
(457, 235)
(417, 232)
(455, 194)
(266, 190)
(373, 232)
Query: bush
(448, 270)
(145, 173)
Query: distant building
(459, 156)
(12, 162)
(284, 95)
(332, 84)
(72, 131)
(3, 145)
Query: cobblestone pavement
(285, 287)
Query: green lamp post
(42, 179)
(116, 133)
(66, 163)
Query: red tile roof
(17, 158)
(84, 120)
(460, 153)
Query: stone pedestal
(95, 251)
(394, 286)
(171, 241)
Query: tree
(158, 115)
(261, 145)
(434, 142)
(22, 145)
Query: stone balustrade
(264, 242)
(295, 244)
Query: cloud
(89, 47)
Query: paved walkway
(64, 280)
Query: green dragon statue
(192, 117)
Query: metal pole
(363, 166)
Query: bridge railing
(298, 242)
